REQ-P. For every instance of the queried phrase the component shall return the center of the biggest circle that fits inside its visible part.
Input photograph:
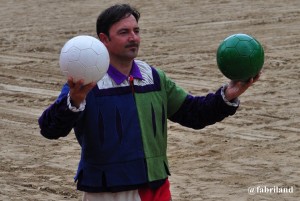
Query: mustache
(132, 45)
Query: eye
(137, 31)
(123, 32)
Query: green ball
(240, 57)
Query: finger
(249, 83)
(233, 83)
(70, 82)
(257, 76)
(243, 85)
(78, 85)
(88, 87)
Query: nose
(134, 36)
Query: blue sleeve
(57, 120)
(199, 111)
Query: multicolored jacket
(123, 127)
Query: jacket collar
(118, 77)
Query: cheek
(138, 38)
(113, 44)
(115, 47)
(117, 44)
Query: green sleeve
(175, 94)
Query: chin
(133, 55)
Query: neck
(123, 67)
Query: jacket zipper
(131, 83)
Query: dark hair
(114, 14)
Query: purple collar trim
(118, 77)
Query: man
(121, 121)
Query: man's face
(124, 39)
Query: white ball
(84, 57)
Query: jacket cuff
(73, 108)
(234, 103)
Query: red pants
(161, 194)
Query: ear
(103, 38)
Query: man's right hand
(78, 91)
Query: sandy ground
(259, 146)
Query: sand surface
(259, 146)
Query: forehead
(125, 23)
